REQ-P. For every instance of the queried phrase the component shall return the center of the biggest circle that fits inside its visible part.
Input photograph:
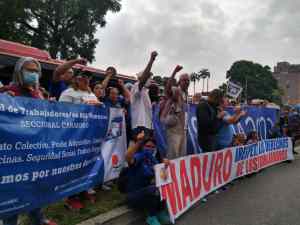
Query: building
(288, 77)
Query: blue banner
(48, 151)
(258, 119)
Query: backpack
(123, 180)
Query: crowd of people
(137, 100)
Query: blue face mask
(30, 78)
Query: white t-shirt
(141, 107)
(77, 97)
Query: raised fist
(178, 68)
(154, 54)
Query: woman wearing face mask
(26, 83)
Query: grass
(106, 201)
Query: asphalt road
(271, 197)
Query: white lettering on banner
(195, 176)
(249, 120)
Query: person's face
(110, 71)
(68, 76)
(98, 91)
(184, 82)
(113, 95)
(83, 82)
(31, 67)
(225, 102)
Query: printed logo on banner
(115, 161)
(115, 130)
(233, 90)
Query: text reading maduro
(193, 177)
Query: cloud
(199, 34)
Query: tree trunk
(207, 84)
(203, 82)
(194, 87)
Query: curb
(122, 215)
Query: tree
(204, 74)
(67, 27)
(195, 77)
(223, 88)
(257, 80)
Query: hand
(11, 93)
(82, 61)
(154, 54)
(221, 115)
(178, 68)
(141, 136)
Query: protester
(173, 114)
(62, 77)
(80, 92)
(141, 107)
(114, 99)
(100, 87)
(210, 120)
(239, 140)
(252, 138)
(197, 98)
(26, 83)
(225, 134)
(173, 117)
(141, 190)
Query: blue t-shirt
(56, 88)
(119, 104)
(225, 134)
(142, 171)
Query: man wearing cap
(62, 77)
(141, 107)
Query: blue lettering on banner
(48, 151)
(258, 119)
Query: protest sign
(195, 176)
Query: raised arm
(62, 69)
(236, 117)
(125, 91)
(147, 72)
(170, 81)
(134, 148)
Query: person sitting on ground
(210, 120)
(26, 83)
(252, 138)
(141, 190)
(239, 140)
(225, 134)
(141, 107)
(62, 77)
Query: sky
(210, 34)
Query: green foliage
(258, 79)
(67, 26)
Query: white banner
(190, 178)
(115, 145)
